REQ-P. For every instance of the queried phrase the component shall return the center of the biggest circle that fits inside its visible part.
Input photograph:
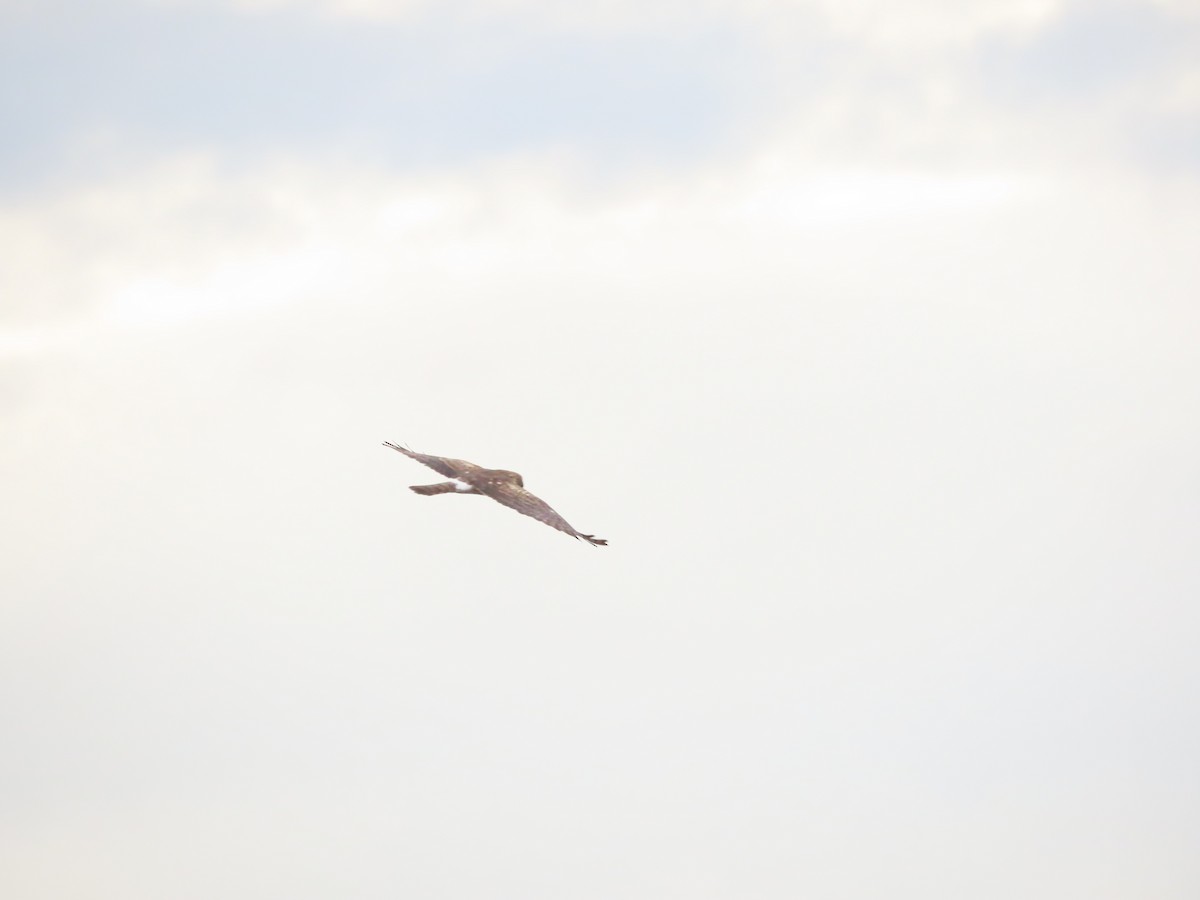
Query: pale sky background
(867, 332)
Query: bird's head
(514, 477)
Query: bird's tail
(446, 487)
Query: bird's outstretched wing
(451, 468)
(516, 497)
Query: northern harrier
(499, 484)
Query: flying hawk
(499, 484)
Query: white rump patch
(461, 486)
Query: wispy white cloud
(188, 240)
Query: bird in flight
(499, 484)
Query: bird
(501, 485)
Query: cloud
(409, 94)
(74, 249)
(660, 86)
(913, 24)
(189, 239)
(881, 384)
(1111, 81)
(974, 385)
(1092, 51)
(894, 447)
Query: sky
(864, 331)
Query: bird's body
(501, 485)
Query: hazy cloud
(865, 333)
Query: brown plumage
(501, 485)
